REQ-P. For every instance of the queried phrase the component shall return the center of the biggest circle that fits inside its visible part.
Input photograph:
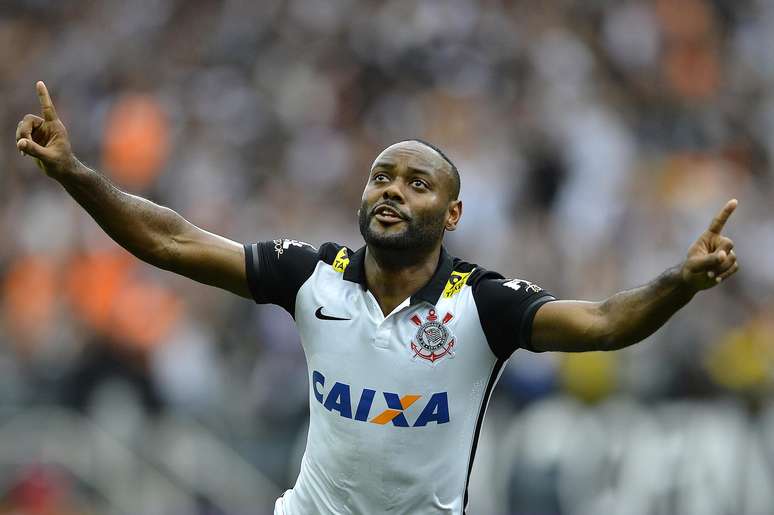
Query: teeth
(387, 211)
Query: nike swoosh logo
(319, 314)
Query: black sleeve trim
(506, 309)
(277, 269)
(525, 332)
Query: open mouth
(387, 215)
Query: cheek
(429, 203)
(430, 213)
(364, 197)
(366, 202)
(370, 194)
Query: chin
(387, 241)
(401, 238)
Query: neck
(392, 276)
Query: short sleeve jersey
(396, 402)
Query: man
(403, 342)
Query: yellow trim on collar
(455, 283)
(342, 261)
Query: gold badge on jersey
(455, 283)
(342, 261)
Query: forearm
(151, 232)
(145, 229)
(633, 315)
(630, 316)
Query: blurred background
(595, 141)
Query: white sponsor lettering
(516, 284)
(280, 246)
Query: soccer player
(404, 343)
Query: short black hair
(455, 173)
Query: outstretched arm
(630, 316)
(153, 233)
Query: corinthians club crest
(433, 340)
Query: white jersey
(396, 403)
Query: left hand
(711, 258)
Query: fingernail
(719, 279)
(710, 274)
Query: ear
(453, 215)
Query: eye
(380, 177)
(419, 184)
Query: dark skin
(416, 182)
(153, 233)
(632, 315)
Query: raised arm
(153, 233)
(630, 316)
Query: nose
(393, 192)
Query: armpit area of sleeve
(252, 264)
(525, 331)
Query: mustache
(392, 205)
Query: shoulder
(484, 282)
(276, 269)
(286, 251)
(478, 277)
(506, 308)
(289, 248)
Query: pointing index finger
(721, 218)
(46, 105)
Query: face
(407, 201)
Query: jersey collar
(430, 292)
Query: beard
(420, 234)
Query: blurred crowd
(595, 141)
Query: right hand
(46, 139)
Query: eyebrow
(423, 171)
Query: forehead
(411, 154)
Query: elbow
(612, 343)
(162, 250)
(160, 254)
(615, 340)
(608, 335)
(608, 342)
(165, 255)
(167, 244)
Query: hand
(46, 138)
(711, 258)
